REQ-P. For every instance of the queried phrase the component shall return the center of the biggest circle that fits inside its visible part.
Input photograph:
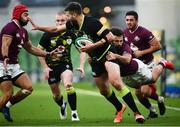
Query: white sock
(8, 104)
(74, 111)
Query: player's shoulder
(11, 25)
(126, 30)
(143, 29)
(90, 20)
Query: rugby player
(12, 38)
(144, 44)
(103, 71)
(56, 69)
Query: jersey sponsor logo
(136, 38)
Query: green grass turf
(40, 109)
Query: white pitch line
(92, 93)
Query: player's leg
(141, 94)
(7, 92)
(108, 93)
(67, 77)
(22, 80)
(116, 80)
(53, 81)
(101, 80)
(157, 70)
(151, 92)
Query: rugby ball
(81, 41)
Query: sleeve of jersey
(44, 41)
(148, 36)
(8, 31)
(127, 49)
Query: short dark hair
(74, 7)
(116, 31)
(133, 13)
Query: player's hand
(110, 37)
(5, 63)
(138, 53)
(81, 70)
(110, 56)
(56, 52)
(87, 47)
(46, 73)
(34, 26)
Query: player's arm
(6, 41)
(43, 63)
(52, 29)
(89, 46)
(125, 58)
(154, 46)
(34, 50)
(82, 63)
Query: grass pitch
(39, 109)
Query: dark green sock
(58, 100)
(114, 100)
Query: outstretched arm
(52, 29)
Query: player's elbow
(127, 61)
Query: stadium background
(157, 15)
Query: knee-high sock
(111, 97)
(58, 100)
(144, 101)
(128, 98)
(71, 94)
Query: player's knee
(56, 97)
(68, 87)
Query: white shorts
(152, 64)
(141, 77)
(13, 70)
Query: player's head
(61, 18)
(131, 19)
(20, 13)
(118, 36)
(73, 9)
